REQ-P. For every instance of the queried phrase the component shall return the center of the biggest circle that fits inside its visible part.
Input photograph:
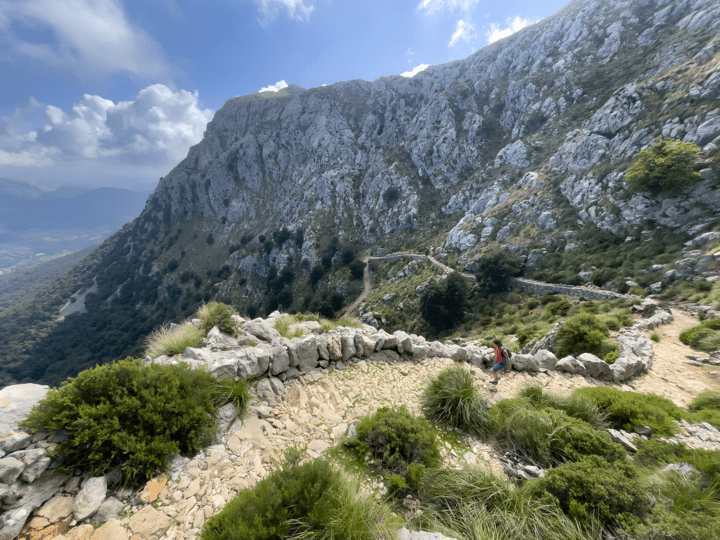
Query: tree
(357, 269)
(442, 305)
(496, 268)
(665, 166)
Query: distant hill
(37, 224)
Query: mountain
(51, 221)
(525, 144)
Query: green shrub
(549, 435)
(473, 503)
(443, 304)
(532, 303)
(626, 410)
(709, 399)
(128, 415)
(612, 492)
(559, 308)
(216, 314)
(653, 453)
(612, 323)
(496, 268)
(309, 500)
(611, 357)
(396, 439)
(655, 337)
(165, 340)
(452, 399)
(573, 405)
(665, 166)
(580, 334)
(705, 336)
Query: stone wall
(591, 293)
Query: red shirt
(498, 356)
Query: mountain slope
(523, 144)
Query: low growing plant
(452, 399)
(580, 334)
(216, 314)
(130, 416)
(626, 410)
(398, 441)
(592, 487)
(169, 340)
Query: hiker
(502, 354)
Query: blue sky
(114, 92)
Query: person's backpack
(509, 354)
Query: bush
(397, 440)
(164, 340)
(580, 334)
(709, 399)
(612, 492)
(128, 415)
(665, 166)
(452, 399)
(655, 337)
(357, 268)
(549, 435)
(574, 405)
(653, 453)
(216, 314)
(705, 336)
(309, 500)
(496, 268)
(228, 390)
(475, 504)
(626, 410)
(443, 304)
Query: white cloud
(462, 31)
(274, 87)
(496, 33)
(89, 36)
(415, 70)
(295, 9)
(430, 6)
(156, 128)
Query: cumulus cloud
(496, 33)
(415, 70)
(156, 128)
(274, 87)
(431, 6)
(86, 36)
(462, 31)
(271, 9)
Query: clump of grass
(216, 314)
(474, 504)
(655, 337)
(452, 399)
(709, 399)
(228, 390)
(308, 501)
(705, 337)
(282, 325)
(574, 405)
(171, 340)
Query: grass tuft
(168, 340)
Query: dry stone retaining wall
(538, 287)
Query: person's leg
(496, 368)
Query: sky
(114, 92)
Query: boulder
(57, 508)
(459, 354)
(476, 356)
(525, 362)
(322, 347)
(404, 342)
(334, 346)
(265, 391)
(223, 364)
(307, 352)
(10, 469)
(348, 347)
(90, 498)
(261, 330)
(111, 529)
(109, 509)
(149, 524)
(279, 360)
(628, 366)
(390, 342)
(595, 367)
(546, 359)
(623, 439)
(217, 341)
(570, 364)
(252, 365)
(367, 344)
(548, 341)
(12, 521)
(438, 350)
